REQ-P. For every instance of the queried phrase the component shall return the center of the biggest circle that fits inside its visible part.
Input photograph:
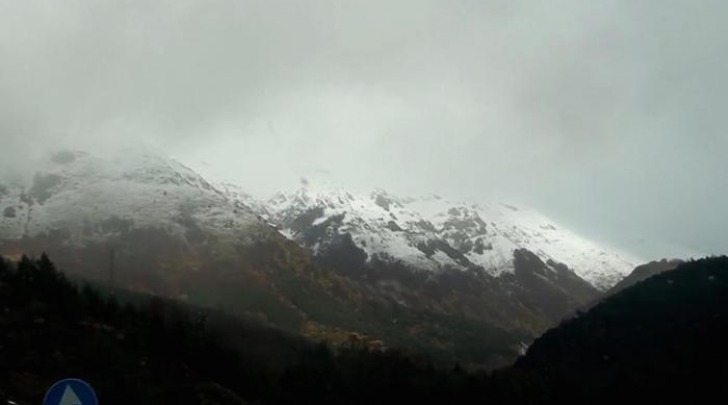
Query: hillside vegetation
(655, 341)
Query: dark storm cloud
(605, 114)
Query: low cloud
(607, 115)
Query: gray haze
(609, 116)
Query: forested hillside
(662, 337)
(145, 350)
(654, 341)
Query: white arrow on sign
(69, 397)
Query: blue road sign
(70, 391)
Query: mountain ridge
(432, 232)
(150, 224)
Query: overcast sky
(609, 116)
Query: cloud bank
(607, 115)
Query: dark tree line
(659, 339)
(137, 349)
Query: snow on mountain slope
(509, 227)
(238, 194)
(433, 233)
(93, 197)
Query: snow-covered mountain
(93, 198)
(323, 262)
(434, 233)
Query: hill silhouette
(660, 339)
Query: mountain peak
(467, 235)
(78, 190)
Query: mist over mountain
(334, 200)
(580, 110)
(323, 263)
